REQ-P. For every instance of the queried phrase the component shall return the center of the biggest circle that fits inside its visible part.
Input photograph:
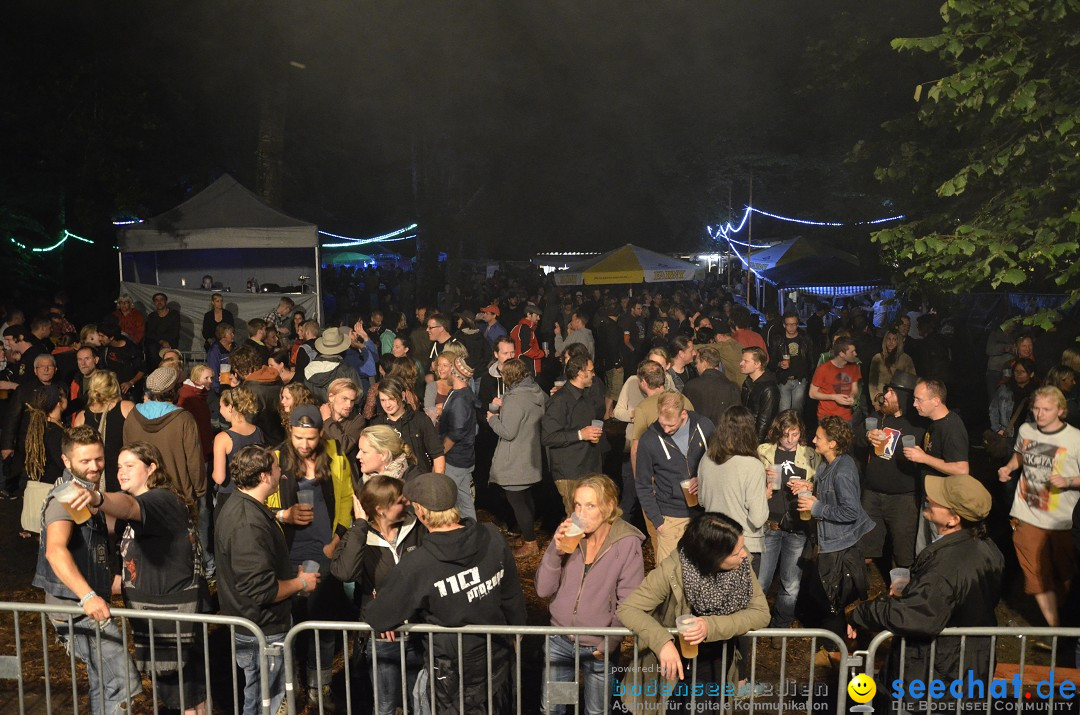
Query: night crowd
(333, 471)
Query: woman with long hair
(731, 478)
(1011, 405)
(44, 434)
(162, 571)
(381, 450)
(709, 578)
(585, 588)
(415, 429)
(787, 457)
(440, 388)
(341, 420)
(891, 358)
(193, 397)
(293, 395)
(105, 412)
(392, 366)
(238, 405)
(384, 529)
(834, 501)
(516, 464)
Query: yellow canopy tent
(629, 264)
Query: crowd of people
(335, 472)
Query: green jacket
(652, 609)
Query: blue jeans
(462, 476)
(388, 672)
(782, 552)
(560, 659)
(792, 394)
(206, 510)
(247, 657)
(113, 669)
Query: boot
(527, 549)
(327, 699)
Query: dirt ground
(19, 561)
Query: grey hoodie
(517, 456)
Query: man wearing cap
(257, 581)
(125, 358)
(1048, 450)
(955, 582)
(457, 428)
(524, 337)
(330, 363)
(577, 333)
(490, 327)
(175, 433)
(463, 574)
(889, 490)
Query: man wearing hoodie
(330, 364)
(668, 454)
(760, 393)
(265, 383)
(525, 343)
(176, 434)
(463, 574)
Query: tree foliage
(991, 159)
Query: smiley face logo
(862, 688)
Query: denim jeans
(560, 660)
(792, 394)
(388, 672)
(782, 552)
(462, 476)
(205, 512)
(247, 657)
(113, 670)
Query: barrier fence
(977, 649)
(429, 669)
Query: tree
(992, 159)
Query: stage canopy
(629, 264)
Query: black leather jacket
(762, 397)
(955, 582)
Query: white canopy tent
(224, 231)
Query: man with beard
(16, 420)
(463, 574)
(567, 429)
(87, 362)
(890, 486)
(73, 570)
(525, 343)
(162, 330)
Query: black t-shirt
(125, 360)
(783, 501)
(946, 439)
(891, 473)
(157, 551)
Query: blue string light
(372, 239)
(364, 242)
(63, 239)
(128, 222)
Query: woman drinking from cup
(708, 577)
(787, 458)
(841, 522)
(585, 584)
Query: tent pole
(318, 283)
(120, 264)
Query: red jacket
(193, 399)
(525, 346)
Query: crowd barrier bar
(555, 693)
(123, 616)
(993, 633)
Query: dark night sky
(556, 125)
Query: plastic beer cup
(805, 515)
(898, 580)
(683, 624)
(691, 498)
(64, 495)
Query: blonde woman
(237, 407)
(216, 316)
(105, 412)
(193, 395)
(381, 451)
(439, 389)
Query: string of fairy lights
(726, 230)
(723, 231)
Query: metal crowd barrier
(807, 689)
(123, 617)
(999, 638)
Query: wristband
(280, 516)
(101, 502)
(87, 597)
(303, 581)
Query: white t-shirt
(1044, 455)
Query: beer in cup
(805, 515)
(683, 624)
(64, 495)
(690, 497)
(570, 540)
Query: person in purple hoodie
(585, 587)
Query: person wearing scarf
(708, 577)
